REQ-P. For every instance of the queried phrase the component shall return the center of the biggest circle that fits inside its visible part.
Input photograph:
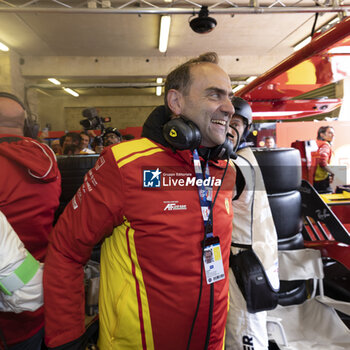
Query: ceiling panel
(249, 36)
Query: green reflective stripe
(4, 289)
(26, 271)
(21, 276)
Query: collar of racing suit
(153, 126)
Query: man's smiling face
(208, 103)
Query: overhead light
(333, 21)
(302, 43)
(159, 88)
(54, 81)
(164, 33)
(203, 23)
(3, 47)
(250, 79)
(276, 114)
(106, 3)
(92, 4)
(345, 50)
(159, 91)
(70, 91)
(238, 87)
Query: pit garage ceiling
(111, 47)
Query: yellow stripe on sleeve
(127, 152)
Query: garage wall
(64, 113)
(121, 117)
(11, 79)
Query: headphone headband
(12, 97)
(31, 127)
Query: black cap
(112, 130)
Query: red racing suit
(151, 256)
(320, 159)
(30, 186)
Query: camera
(93, 120)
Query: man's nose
(227, 106)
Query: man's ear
(175, 101)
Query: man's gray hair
(180, 78)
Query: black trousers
(33, 343)
(323, 186)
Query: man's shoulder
(30, 154)
(323, 144)
(324, 148)
(7, 138)
(129, 151)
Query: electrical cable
(235, 147)
(198, 303)
(314, 24)
(210, 316)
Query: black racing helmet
(243, 109)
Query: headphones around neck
(181, 133)
(31, 127)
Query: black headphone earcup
(223, 151)
(182, 134)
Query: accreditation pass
(213, 266)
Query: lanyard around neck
(205, 191)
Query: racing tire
(280, 167)
(291, 243)
(73, 169)
(286, 213)
(281, 171)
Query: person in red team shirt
(323, 175)
(30, 186)
(153, 271)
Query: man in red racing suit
(141, 200)
(30, 186)
(323, 175)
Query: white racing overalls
(252, 225)
(21, 275)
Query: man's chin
(220, 141)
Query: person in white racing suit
(21, 275)
(252, 226)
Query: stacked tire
(73, 169)
(281, 170)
